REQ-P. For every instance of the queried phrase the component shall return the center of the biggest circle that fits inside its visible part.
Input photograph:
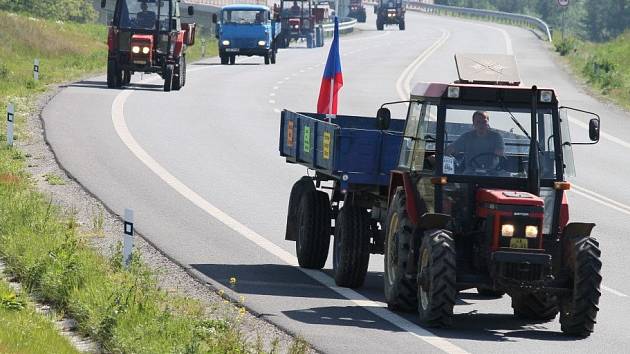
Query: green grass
(24, 330)
(122, 309)
(603, 65)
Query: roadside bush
(4, 71)
(566, 46)
(602, 71)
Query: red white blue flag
(333, 78)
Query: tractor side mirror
(103, 4)
(593, 129)
(214, 18)
(191, 10)
(383, 118)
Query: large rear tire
(578, 311)
(177, 75)
(379, 25)
(437, 274)
(313, 220)
(401, 289)
(401, 26)
(351, 253)
(534, 306)
(113, 76)
(168, 78)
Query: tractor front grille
(523, 272)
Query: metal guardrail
(493, 15)
(346, 25)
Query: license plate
(518, 243)
(231, 49)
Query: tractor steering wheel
(476, 164)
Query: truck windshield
(143, 14)
(244, 16)
(494, 141)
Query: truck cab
(246, 30)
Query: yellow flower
(221, 292)
(241, 311)
(241, 299)
(233, 281)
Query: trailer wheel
(232, 59)
(301, 186)
(351, 252)
(579, 310)
(113, 80)
(168, 78)
(534, 306)
(313, 221)
(224, 59)
(401, 291)
(437, 279)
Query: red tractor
(475, 199)
(148, 36)
(357, 10)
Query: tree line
(597, 20)
(64, 10)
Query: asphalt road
(200, 168)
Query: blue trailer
(246, 30)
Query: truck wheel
(112, 74)
(436, 279)
(313, 221)
(579, 310)
(379, 25)
(401, 26)
(488, 292)
(267, 58)
(224, 59)
(351, 252)
(400, 291)
(168, 78)
(534, 306)
(232, 59)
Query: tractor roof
(245, 7)
(489, 69)
(476, 92)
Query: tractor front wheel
(437, 279)
(351, 251)
(178, 79)
(401, 26)
(267, 58)
(579, 310)
(313, 229)
(400, 287)
(534, 306)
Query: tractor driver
(295, 9)
(145, 19)
(482, 146)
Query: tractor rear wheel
(534, 306)
(351, 251)
(313, 222)
(379, 25)
(168, 78)
(579, 310)
(177, 75)
(401, 289)
(183, 72)
(113, 76)
(437, 279)
(267, 58)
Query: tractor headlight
(135, 49)
(296, 26)
(453, 92)
(226, 43)
(507, 230)
(262, 43)
(531, 231)
(146, 50)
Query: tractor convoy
(451, 203)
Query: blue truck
(246, 30)
(447, 212)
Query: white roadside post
(127, 237)
(10, 118)
(36, 70)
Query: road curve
(200, 167)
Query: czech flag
(333, 78)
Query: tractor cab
(148, 36)
(357, 10)
(483, 168)
(390, 12)
(298, 22)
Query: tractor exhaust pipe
(533, 176)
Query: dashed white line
(613, 291)
(276, 110)
(275, 87)
(272, 94)
(272, 101)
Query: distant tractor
(468, 192)
(148, 36)
(298, 22)
(390, 12)
(357, 10)
(246, 30)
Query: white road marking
(377, 308)
(287, 78)
(613, 291)
(275, 87)
(272, 101)
(272, 94)
(276, 110)
(605, 201)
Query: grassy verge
(122, 309)
(24, 330)
(603, 65)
